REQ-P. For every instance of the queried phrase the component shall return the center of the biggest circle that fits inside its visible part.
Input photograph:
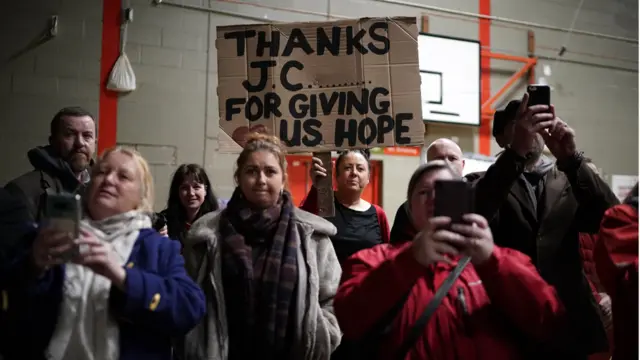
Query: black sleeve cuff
(571, 164)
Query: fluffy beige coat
(317, 332)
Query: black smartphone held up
(453, 198)
(64, 212)
(539, 95)
(159, 221)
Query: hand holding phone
(476, 238)
(50, 247)
(532, 119)
(540, 95)
(430, 245)
(101, 258)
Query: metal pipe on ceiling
(437, 9)
(214, 11)
(262, 19)
(587, 63)
(249, 17)
(525, 24)
(327, 15)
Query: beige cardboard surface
(321, 86)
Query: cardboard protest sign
(321, 86)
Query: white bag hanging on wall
(122, 77)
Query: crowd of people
(546, 266)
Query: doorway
(300, 181)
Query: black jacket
(572, 201)
(15, 224)
(51, 174)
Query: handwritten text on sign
(322, 85)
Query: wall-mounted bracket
(127, 15)
(48, 33)
(53, 26)
(529, 63)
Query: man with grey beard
(61, 166)
(539, 206)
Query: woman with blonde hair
(125, 293)
(268, 269)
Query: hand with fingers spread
(49, 246)
(98, 256)
(317, 170)
(433, 244)
(529, 122)
(474, 238)
(561, 140)
(442, 240)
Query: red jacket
(471, 321)
(616, 257)
(310, 204)
(587, 244)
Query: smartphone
(64, 212)
(159, 221)
(453, 198)
(539, 95)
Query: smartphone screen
(453, 198)
(539, 95)
(64, 212)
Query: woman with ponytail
(268, 269)
(360, 224)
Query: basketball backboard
(450, 75)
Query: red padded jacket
(616, 259)
(478, 319)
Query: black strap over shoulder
(418, 328)
(632, 198)
(632, 202)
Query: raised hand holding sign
(321, 86)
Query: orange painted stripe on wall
(484, 35)
(108, 102)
